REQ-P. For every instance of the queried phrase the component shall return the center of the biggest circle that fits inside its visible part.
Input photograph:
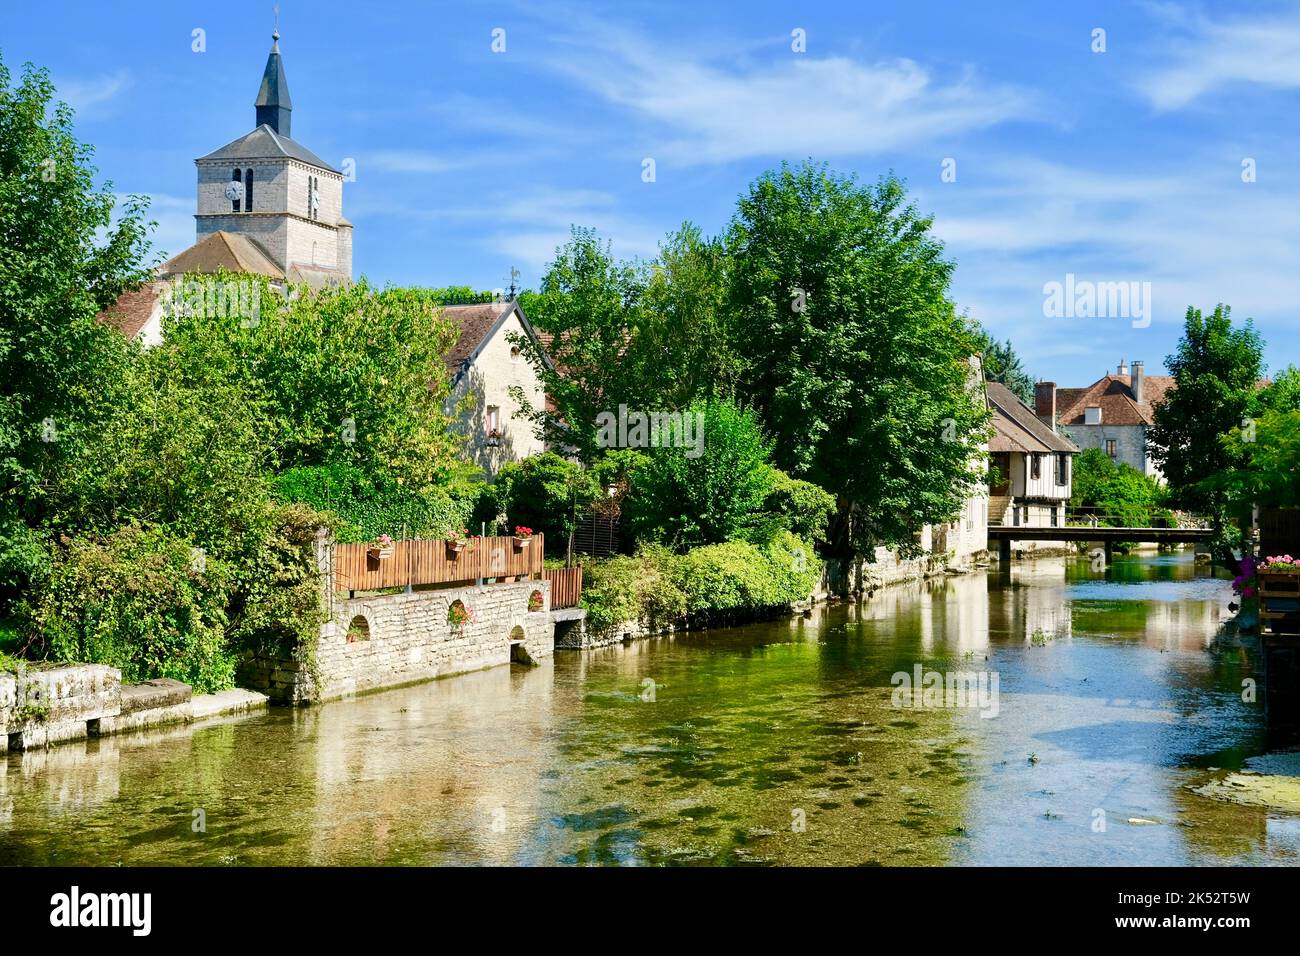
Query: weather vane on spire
(275, 7)
(514, 277)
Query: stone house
(1113, 413)
(486, 367)
(1034, 467)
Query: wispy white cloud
(1197, 233)
(416, 161)
(90, 96)
(1208, 55)
(716, 107)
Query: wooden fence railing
(357, 568)
(566, 586)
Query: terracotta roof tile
(1113, 394)
(131, 312)
(223, 250)
(475, 322)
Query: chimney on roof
(1138, 376)
(1045, 403)
(1123, 368)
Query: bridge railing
(1129, 518)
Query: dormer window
(248, 190)
(1092, 415)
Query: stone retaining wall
(405, 638)
(43, 707)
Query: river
(776, 743)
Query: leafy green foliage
(589, 305)
(684, 500)
(1002, 364)
(855, 357)
(1124, 496)
(65, 254)
(1216, 370)
(351, 375)
(367, 506)
(544, 492)
(717, 582)
(1269, 469)
(136, 600)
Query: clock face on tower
(315, 201)
(234, 191)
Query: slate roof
(266, 143)
(1113, 394)
(223, 250)
(1017, 428)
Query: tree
(854, 354)
(65, 254)
(587, 304)
(543, 492)
(1002, 364)
(1124, 496)
(1216, 371)
(654, 336)
(690, 496)
(684, 336)
(350, 375)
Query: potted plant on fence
(382, 548)
(457, 541)
(522, 536)
(1279, 593)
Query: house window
(236, 178)
(1062, 468)
(1110, 447)
(1036, 466)
(1055, 522)
(248, 190)
(514, 353)
(492, 424)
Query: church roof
(266, 143)
(223, 250)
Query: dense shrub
(703, 493)
(642, 588)
(738, 576)
(276, 602)
(139, 600)
(367, 507)
(545, 492)
(1125, 496)
(733, 579)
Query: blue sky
(1123, 165)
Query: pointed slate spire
(273, 103)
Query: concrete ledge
(235, 701)
(153, 694)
